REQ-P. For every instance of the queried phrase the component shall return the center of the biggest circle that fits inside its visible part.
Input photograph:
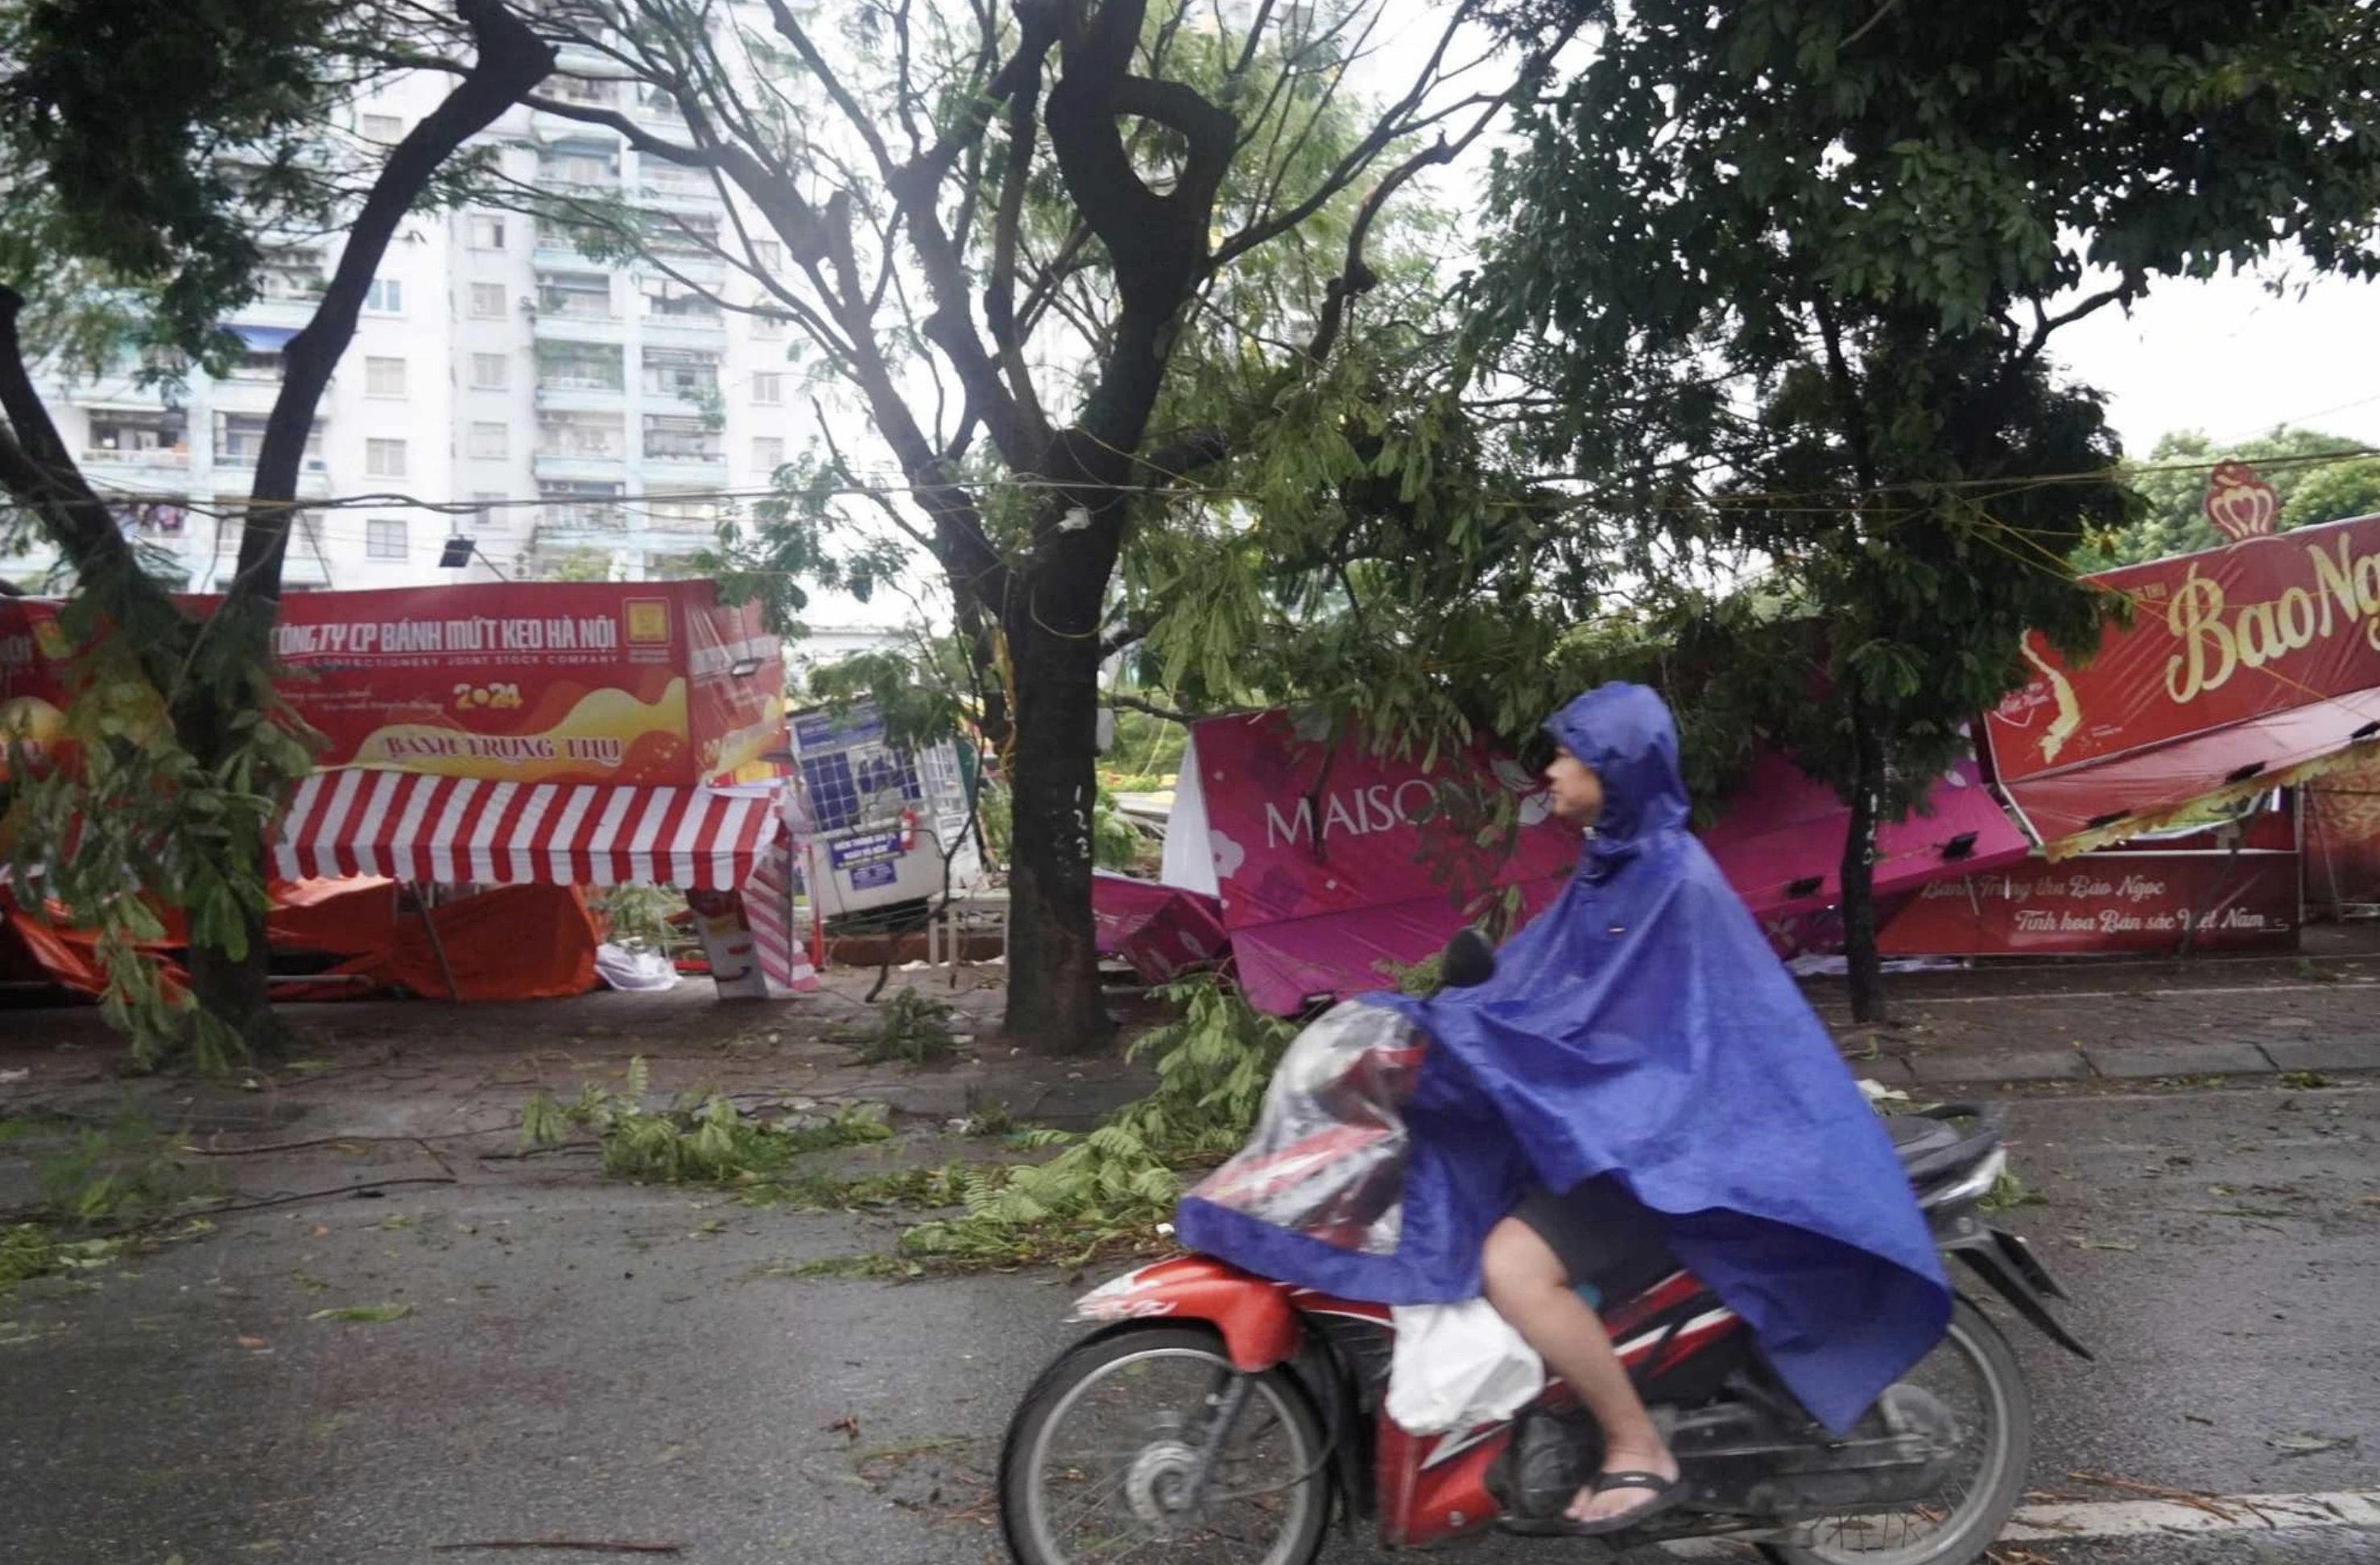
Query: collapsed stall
(486, 754)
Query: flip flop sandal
(1666, 1492)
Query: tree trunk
(1865, 963)
(238, 993)
(1054, 965)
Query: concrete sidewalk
(406, 1068)
(2120, 1023)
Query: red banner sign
(2265, 625)
(649, 683)
(2102, 904)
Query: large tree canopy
(1065, 261)
(1790, 267)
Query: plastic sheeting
(509, 943)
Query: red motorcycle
(1221, 1416)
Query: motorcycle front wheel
(1975, 1372)
(1099, 1460)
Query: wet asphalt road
(603, 1363)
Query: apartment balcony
(244, 394)
(593, 467)
(290, 313)
(313, 475)
(671, 397)
(161, 469)
(585, 525)
(581, 396)
(677, 191)
(576, 326)
(556, 252)
(705, 331)
(694, 265)
(686, 467)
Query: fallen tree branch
(2156, 1491)
(585, 1546)
(317, 1196)
(337, 1140)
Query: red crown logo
(2239, 504)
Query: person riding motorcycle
(1639, 1081)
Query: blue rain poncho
(1639, 1027)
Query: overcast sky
(2230, 359)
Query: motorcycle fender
(2004, 1260)
(1258, 1327)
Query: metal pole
(437, 944)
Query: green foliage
(1111, 1189)
(35, 1249)
(699, 1138)
(1419, 979)
(1147, 752)
(100, 1173)
(1116, 843)
(920, 694)
(577, 565)
(642, 918)
(104, 1189)
(2173, 484)
(2009, 1192)
(144, 810)
(155, 151)
(912, 1028)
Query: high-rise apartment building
(586, 415)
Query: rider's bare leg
(1528, 1286)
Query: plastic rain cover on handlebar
(1328, 1156)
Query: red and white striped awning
(463, 830)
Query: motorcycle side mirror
(1467, 962)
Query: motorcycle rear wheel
(1059, 1502)
(1972, 1522)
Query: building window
(767, 326)
(491, 372)
(385, 539)
(383, 129)
(385, 297)
(768, 454)
(769, 390)
(487, 300)
(490, 515)
(385, 458)
(487, 231)
(768, 255)
(384, 376)
(491, 443)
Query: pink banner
(1161, 930)
(1295, 837)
